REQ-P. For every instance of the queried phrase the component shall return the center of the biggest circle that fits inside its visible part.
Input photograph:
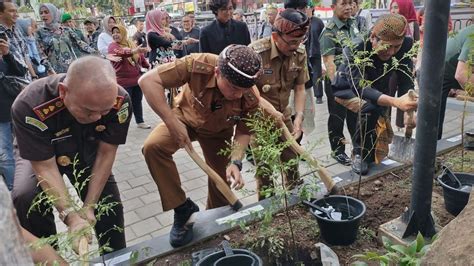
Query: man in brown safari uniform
(284, 69)
(218, 93)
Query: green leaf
(385, 259)
(412, 248)
(400, 249)
(359, 263)
(420, 242)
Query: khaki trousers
(292, 175)
(158, 150)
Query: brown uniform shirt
(201, 105)
(280, 73)
(44, 127)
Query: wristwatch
(64, 213)
(237, 163)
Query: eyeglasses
(293, 42)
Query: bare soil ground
(386, 198)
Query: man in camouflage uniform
(284, 69)
(330, 40)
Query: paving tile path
(144, 216)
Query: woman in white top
(105, 38)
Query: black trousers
(442, 111)
(315, 81)
(41, 222)
(136, 96)
(364, 136)
(337, 115)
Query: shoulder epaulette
(48, 109)
(301, 49)
(331, 25)
(261, 45)
(118, 102)
(202, 67)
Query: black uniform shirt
(217, 36)
(44, 127)
(348, 75)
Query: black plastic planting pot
(455, 196)
(340, 232)
(241, 257)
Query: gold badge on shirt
(63, 160)
(100, 128)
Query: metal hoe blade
(402, 149)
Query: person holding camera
(13, 76)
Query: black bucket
(340, 232)
(455, 197)
(241, 257)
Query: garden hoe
(329, 183)
(402, 149)
(220, 183)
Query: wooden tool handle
(465, 98)
(83, 246)
(409, 129)
(323, 172)
(220, 183)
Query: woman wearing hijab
(105, 38)
(405, 8)
(160, 39)
(27, 27)
(57, 43)
(128, 69)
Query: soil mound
(455, 243)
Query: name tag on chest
(268, 71)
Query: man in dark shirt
(61, 129)
(140, 36)
(13, 65)
(223, 30)
(90, 25)
(372, 101)
(459, 49)
(190, 33)
(340, 24)
(313, 51)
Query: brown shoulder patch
(49, 108)
(202, 67)
(118, 102)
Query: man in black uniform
(81, 115)
(223, 30)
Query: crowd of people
(67, 98)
